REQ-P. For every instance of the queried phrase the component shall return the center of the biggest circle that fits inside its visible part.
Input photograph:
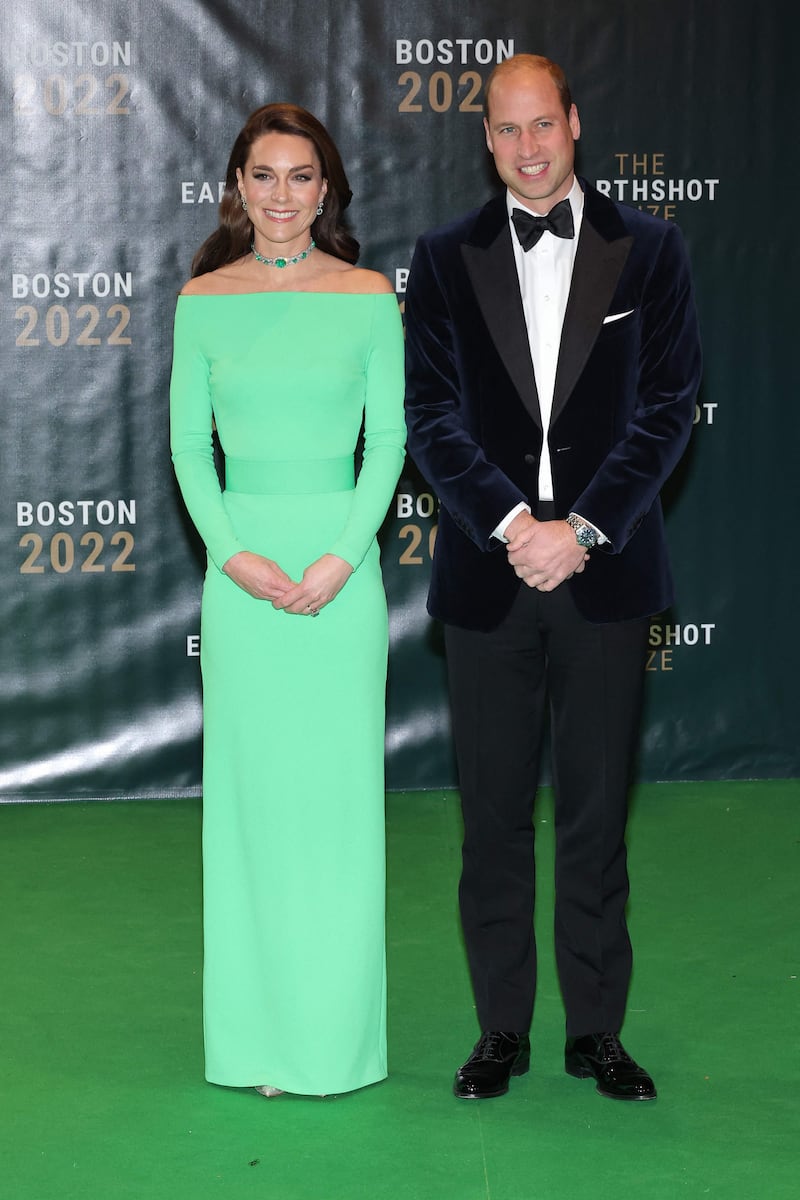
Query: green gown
(294, 984)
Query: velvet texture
(622, 412)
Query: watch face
(584, 534)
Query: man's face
(531, 138)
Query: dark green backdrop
(117, 122)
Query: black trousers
(500, 684)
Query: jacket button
(530, 460)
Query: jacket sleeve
(629, 479)
(475, 492)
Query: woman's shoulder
(368, 282)
(360, 281)
(224, 281)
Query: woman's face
(283, 185)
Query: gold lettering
(659, 660)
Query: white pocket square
(616, 316)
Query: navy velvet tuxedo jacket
(623, 406)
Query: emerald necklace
(283, 262)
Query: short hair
(530, 62)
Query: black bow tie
(530, 228)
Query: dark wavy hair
(231, 240)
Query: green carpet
(102, 1094)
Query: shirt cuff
(499, 530)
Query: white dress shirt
(545, 276)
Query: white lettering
(641, 189)
(405, 504)
(80, 54)
(64, 283)
(686, 635)
(448, 50)
(707, 406)
(64, 512)
(444, 51)
(208, 193)
(193, 645)
(401, 279)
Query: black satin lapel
(493, 275)
(598, 266)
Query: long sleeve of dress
(191, 420)
(384, 433)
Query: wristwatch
(585, 535)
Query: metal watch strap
(585, 535)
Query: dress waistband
(262, 477)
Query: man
(553, 362)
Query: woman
(284, 344)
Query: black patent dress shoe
(496, 1057)
(603, 1057)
